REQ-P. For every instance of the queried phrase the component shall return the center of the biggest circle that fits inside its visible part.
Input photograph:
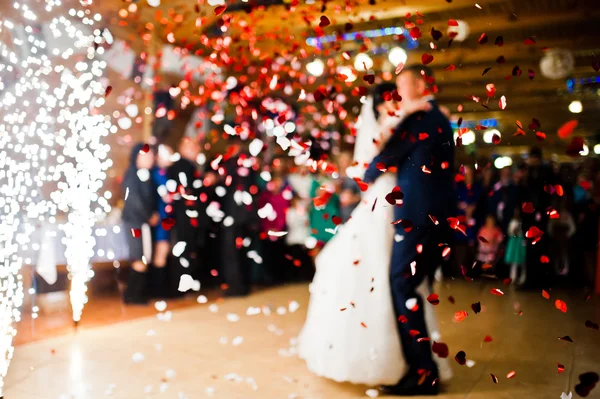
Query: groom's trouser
(405, 280)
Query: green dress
(515, 248)
(320, 220)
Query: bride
(350, 331)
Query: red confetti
(511, 374)
(561, 368)
(544, 259)
(529, 41)
(486, 70)
(220, 10)
(460, 316)
(363, 324)
(336, 220)
(487, 339)
(440, 349)
(483, 39)
(527, 207)
(461, 358)
(108, 91)
(494, 378)
(450, 67)
(545, 294)
(534, 233)
(145, 149)
(399, 68)
(324, 21)
(567, 129)
(167, 223)
(502, 102)
(499, 41)
(136, 233)
(560, 305)
(452, 22)
(361, 184)
(426, 58)
(496, 291)
(566, 338)
(433, 299)
(591, 324)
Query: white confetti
(163, 387)
(252, 311)
(470, 363)
(281, 310)
(170, 374)
(202, 299)
(411, 303)
(110, 390)
(223, 340)
(148, 389)
(233, 317)
(210, 391)
(151, 333)
(293, 306)
(137, 357)
(186, 283)
(126, 193)
(372, 393)
(565, 396)
(166, 316)
(237, 341)
(179, 248)
(277, 233)
(161, 306)
(213, 308)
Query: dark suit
(422, 150)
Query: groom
(422, 150)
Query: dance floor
(244, 348)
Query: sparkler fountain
(50, 146)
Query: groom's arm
(394, 152)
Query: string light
(52, 161)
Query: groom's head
(413, 82)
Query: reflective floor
(219, 350)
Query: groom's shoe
(415, 384)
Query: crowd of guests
(536, 223)
(234, 222)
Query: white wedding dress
(350, 333)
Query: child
(560, 230)
(516, 248)
(138, 213)
(298, 232)
(273, 204)
(490, 238)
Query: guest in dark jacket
(189, 210)
(237, 177)
(539, 175)
(138, 214)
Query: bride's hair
(378, 93)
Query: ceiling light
(488, 136)
(397, 56)
(576, 107)
(348, 72)
(315, 68)
(502, 162)
(466, 138)
(361, 61)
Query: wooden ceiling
(263, 30)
